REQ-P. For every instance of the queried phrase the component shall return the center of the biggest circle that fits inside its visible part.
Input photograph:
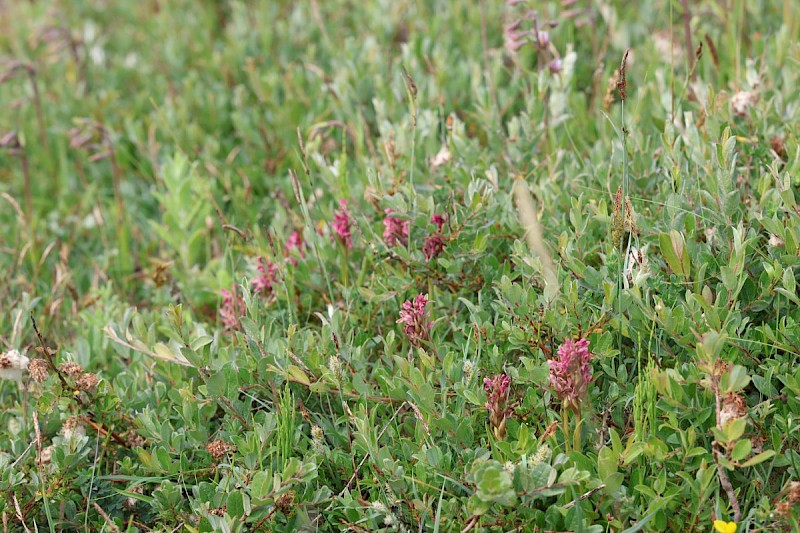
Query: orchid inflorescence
(498, 390)
(416, 323)
(571, 372)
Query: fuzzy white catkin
(742, 101)
(12, 365)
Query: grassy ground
(328, 265)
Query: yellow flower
(725, 527)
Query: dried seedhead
(14, 69)
(412, 87)
(637, 267)
(778, 146)
(789, 499)
(133, 439)
(623, 221)
(733, 407)
(622, 82)
(92, 137)
(11, 69)
(10, 141)
(130, 501)
(219, 448)
(611, 87)
(39, 369)
(713, 49)
(57, 38)
(73, 427)
(71, 369)
(87, 382)
(285, 502)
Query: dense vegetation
(399, 266)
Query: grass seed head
(622, 82)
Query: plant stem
(723, 476)
(687, 31)
(623, 259)
(26, 175)
(576, 436)
(344, 265)
(37, 104)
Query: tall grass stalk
(411, 93)
(301, 200)
(623, 134)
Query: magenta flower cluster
(343, 223)
(395, 230)
(295, 242)
(264, 283)
(232, 308)
(416, 323)
(571, 372)
(498, 390)
(434, 244)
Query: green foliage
(160, 153)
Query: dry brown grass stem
(687, 30)
(534, 234)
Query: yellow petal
(725, 527)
